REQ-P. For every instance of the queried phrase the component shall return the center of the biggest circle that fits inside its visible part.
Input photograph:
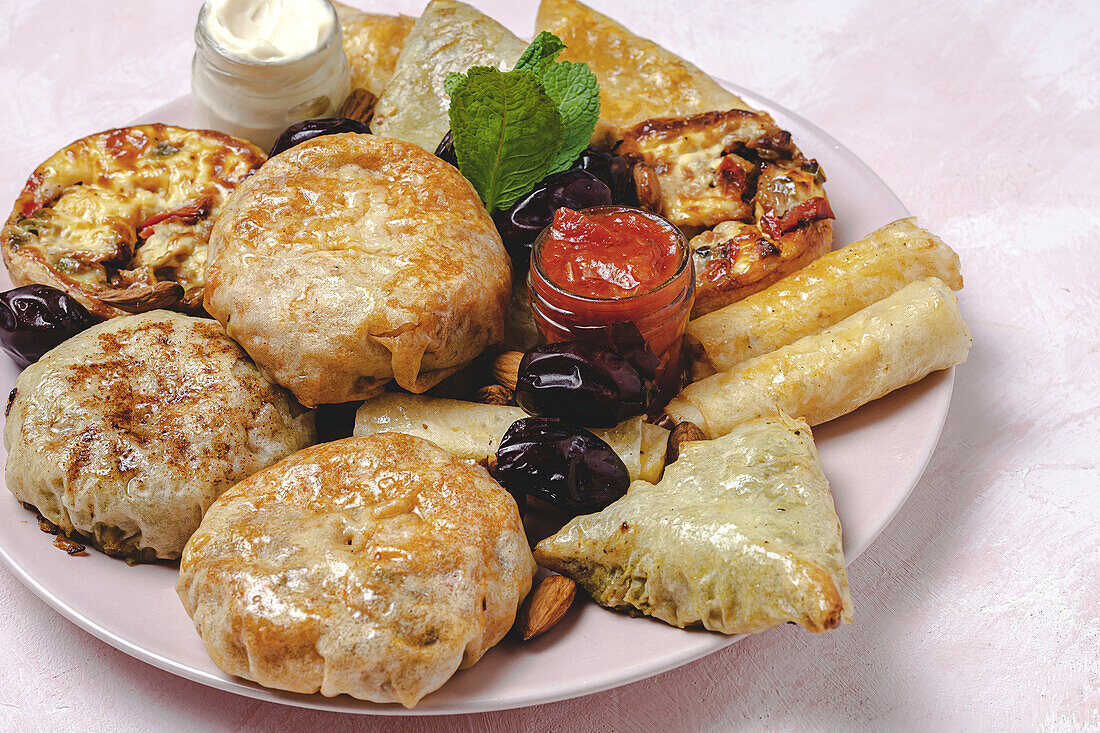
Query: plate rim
(346, 704)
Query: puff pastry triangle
(740, 535)
(639, 80)
(449, 36)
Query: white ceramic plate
(873, 457)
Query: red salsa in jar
(614, 264)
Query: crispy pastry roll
(739, 536)
(473, 431)
(887, 345)
(823, 293)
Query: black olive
(613, 170)
(567, 467)
(446, 150)
(521, 223)
(300, 132)
(36, 318)
(581, 382)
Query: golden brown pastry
(120, 219)
(448, 37)
(887, 345)
(127, 432)
(372, 42)
(352, 259)
(821, 294)
(737, 172)
(374, 567)
(739, 536)
(639, 80)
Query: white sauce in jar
(262, 65)
(269, 30)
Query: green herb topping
(513, 128)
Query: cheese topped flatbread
(114, 216)
(639, 80)
(449, 36)
(739, 536)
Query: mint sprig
(506, 130)
(541, 53)
(576, 91)
(511, 129)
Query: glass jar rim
(682, 248)
(203, 39)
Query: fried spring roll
(885, 346)
(821, 294)
(472, 430)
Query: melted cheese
(83, 214)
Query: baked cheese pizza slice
(120, 219)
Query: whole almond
(496, 394)
(647, 187)
(143, 297)
(359, 106)
(545, 606)
(685, 432)
(506, 368)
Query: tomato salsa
(609, 254)
(614, 264)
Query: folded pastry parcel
(449, 37)
(739, 536)
(352, 259)
(374, 567)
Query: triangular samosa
(639, 80)
(449, 36)
(372, 43)
(740, 535)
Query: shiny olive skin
(521, 223)
(446, 150)
(36, 318)
(582, 383)
(569, 468)
(612, 170)
(300, 132)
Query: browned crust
(27, 266)
(662, 129)
(796, 250)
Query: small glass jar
(257, 100)
(661, 313)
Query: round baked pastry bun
(373, 566)
(350, 260)
(127, 432)
(120, 219)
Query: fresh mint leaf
(576, 91)
(541, 53)
(506, 132)
(451, 81)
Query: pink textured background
(979, 605)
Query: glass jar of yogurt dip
(262, 65)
